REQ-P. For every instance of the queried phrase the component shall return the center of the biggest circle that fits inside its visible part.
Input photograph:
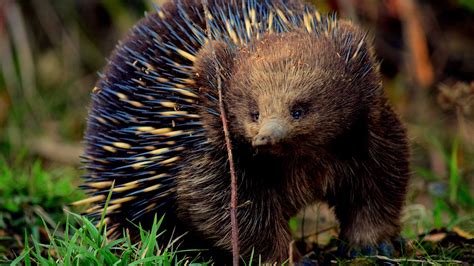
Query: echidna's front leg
(370, 199)
(264, 230)
(367, 228)
(370, 217)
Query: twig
(233, 177)
(303, 237)
(431, 262)
(291, 259)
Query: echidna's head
(298, 90)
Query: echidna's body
(307, 114)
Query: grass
(32, 201)
(29, 197)
(450, 195)
(31, 208)
(83, 243)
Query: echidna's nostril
(261, 140)
(271, 132)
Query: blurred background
(52, 50)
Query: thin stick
(431, 262)
(233, 185)
(291, 259)
(233, 177)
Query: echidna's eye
(255, 116)
(296, 113)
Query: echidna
(307, 114)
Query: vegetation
(29, 199)
(86, 244)
(50, 51)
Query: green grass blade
(454, 173)
(104, 211)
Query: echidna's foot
(383, 249)
(400, 245)
(305, 261)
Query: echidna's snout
(270, 133)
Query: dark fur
(348, 149)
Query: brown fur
(348, 148)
